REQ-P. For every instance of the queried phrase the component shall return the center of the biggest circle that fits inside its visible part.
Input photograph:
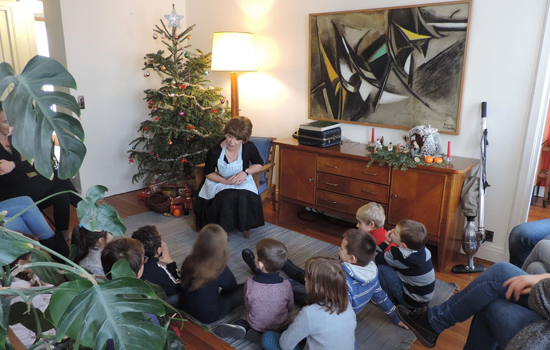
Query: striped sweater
(414, 269)
(363, 286)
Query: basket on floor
(158, 202)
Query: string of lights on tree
(186, 114)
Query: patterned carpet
(374, 328)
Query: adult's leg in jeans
(392, 285)
(497, 324)
(538, 261)
(30, 222)
(479, 294)
(232, 299)
(524, 237)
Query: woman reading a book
(228, 196)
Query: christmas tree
(186, 116)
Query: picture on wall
(394, 67)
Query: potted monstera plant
(83, 308)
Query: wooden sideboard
(336, 180)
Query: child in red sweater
(371, 218)
(267, 296)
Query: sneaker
(254, 336)
(249, 259)
(230, 330)
(417, 321)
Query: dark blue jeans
(524, 237)
(496, 320)
(392, 285)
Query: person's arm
(211, 164)
(381, 299)
(298, 330)
(255, 159)
(227, 281)
(522, 284)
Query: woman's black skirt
(231, 209)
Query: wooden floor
(308, 223)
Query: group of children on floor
(392, 267)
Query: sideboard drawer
(353, 169)
(341, 203)
(366, 190)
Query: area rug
(374, 329)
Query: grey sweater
(324, 331)
(535, 336)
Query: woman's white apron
(210, 188)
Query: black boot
(249, 258)
(417, 321)
(294, 272)
(58, 244)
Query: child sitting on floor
(406, 272)
(356, 255)
(267, 296)
(371, 218)
(209, 290)
(89, 245)
(159, 268)
(327, 321)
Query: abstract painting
(394, 67)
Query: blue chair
(263, 178)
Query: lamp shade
(233, 52)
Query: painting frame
(394, 67)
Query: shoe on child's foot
(249, 259)
(230, 330)
(254, 336)
(417, 321)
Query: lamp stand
(234, 95)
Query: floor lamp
(233, 52)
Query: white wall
(503, 51)
(105, 42)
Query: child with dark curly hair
(159, 268)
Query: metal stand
(473, 238)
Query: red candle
(449, 150)
(372, 138)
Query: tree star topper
(173, 18)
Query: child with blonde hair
(327, 321)
(371, 218)
(209, 290)
(406, 272)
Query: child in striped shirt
(406, 272)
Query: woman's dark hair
(24, 275)
(239, 127)
(208, 258)
(85, 239)
(150, 237)
(326, 284)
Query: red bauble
(145, 128)
(176, 36)
(182, 86)
(157, 118)
(183, 161)
(190, 127)
(157, 155)
(170, 142)
(131, 160)
(181, 113)
(214, 111)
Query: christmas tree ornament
(173, 18)
(176, 36)
(222, 101)
(186, 54)
(189, 37)
(170, 142)
(154, 109)
(144, 63)
(155, 36)
(163, 36)
(145, 128)
(190, 127)
(182, 86)
(163, 68)
(183, 161)
(157, 118)
(130, 160)
(205, 72)
(181, 113)
(158, 155)
(133, 147)
(171, 95)
(147, 74)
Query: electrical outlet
(489, 235)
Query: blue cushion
(264, 145)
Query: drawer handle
(394, 196)
(328, 183)
(331, 202)
(373, 174)
(330, 166)
(310, 179)
(373, 193)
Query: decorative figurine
(188, 203)
(427, 139)
(390, 146)
(415, 149)
(399, 148)
(377, 146)
(382, 141)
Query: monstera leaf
(13, 245)
(35, 115)
(99, 217)
(94, 313)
